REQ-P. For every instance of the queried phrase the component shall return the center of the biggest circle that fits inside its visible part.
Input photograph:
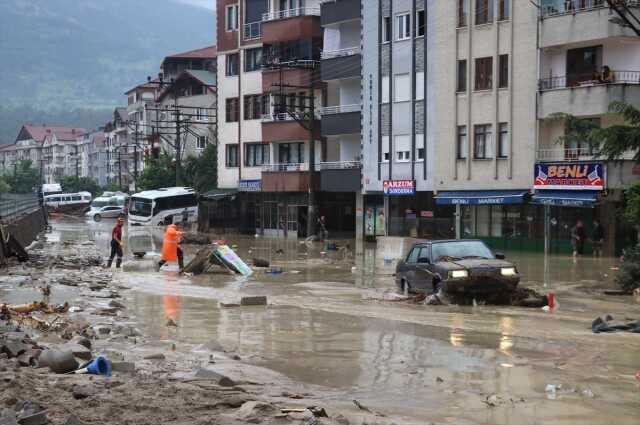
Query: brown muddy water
(328, 330)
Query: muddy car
(464, 268)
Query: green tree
(4, 186)
(80, 184)
(24, 178)
(201, 172)
(112, 187)
(158, 173)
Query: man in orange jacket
(170, 249)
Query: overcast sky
(209, 4)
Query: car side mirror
(500, 256)
(424, 260)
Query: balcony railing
(290, 13)
(340, 109)
(283, 116)
(575, 81)
(565, 7)
(331, 54)
(339, 165)
(566, 154)
(285, 167)
(275, 63)
(253, 30)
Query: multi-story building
(118, 161)
(7, 157)
(92, 147)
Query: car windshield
(99, 203)
(140, 206)
(460, 250)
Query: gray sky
(209, 4)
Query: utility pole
(311, 213)
(135, 159)
(120, 167)
(77, 164)
(178, 164)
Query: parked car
(466, 268)
(107, 211)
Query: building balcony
(298, 73)
(584, 97)
(561, 154)
(252, 31)
(575, 21)
(335, 11)
(285, 167)
(342, 176)
(290, 13)
(291, 25)
(342, 63)
(342, 119)
(287, 181)
(283, 127)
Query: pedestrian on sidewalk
(578, 236)
(116, 243)
(170, 249)
(597, 238)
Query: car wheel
(97, 217)
(406, 287)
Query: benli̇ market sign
(583, 176)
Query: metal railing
(253, 30)
(339, 165)
(282, 116)
(285, 167)
(340, 109)
(576, 81)
(565, 7)
(14, 205)
(274, 63)
(566, 154)
(348, 51)
(290, 13)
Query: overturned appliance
(219, 255)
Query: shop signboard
(399, 187)
(564, 176)
(250, 186)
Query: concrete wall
(26, 228)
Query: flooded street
(328, 331)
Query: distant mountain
(64, 55)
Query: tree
(24, 179)
(4, 186)
(80, 184)
(158, 173)
(201, 172)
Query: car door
(406, 267)
(111, 212)
(423, 270)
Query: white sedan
(108, 211)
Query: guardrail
(290, 13)
(14, 205)
(253, 30)
(566, 7)
(348, 51)
(577, 81)
(340, 109)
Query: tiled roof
(208, 52)
(39, 132)
(207, 78)
(7, 147)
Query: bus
(154, 207)
(68, 202)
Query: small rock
(76, 309)
(79, 351)
(74, 420)
(171, 323)
(7, 377)
(256, 300)
(116, 304)
(123, 367)
(154, 356)
(228, 305)
(318, 411)
(126, 330)
(14, 348)
(255, 411)
(216, 377)
(341, 420)
(102, 330)
(80, 340)
(439, 380)
(236, 357)
(80, 392)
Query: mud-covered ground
(330, 335)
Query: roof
(39, 132)
(8, 147)
(122, 113)
(98, 138)
(153, 84)
(208, 52)
(164, 192)
(206, 78)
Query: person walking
(597, 238)
(577, 238)
(116, 243)
(322, 228)
(170, 249)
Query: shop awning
(566, 198)
(479, 197)
(218, 195)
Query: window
(484, 73)
(419, 147)
(461, 150)
(232, 109)
(462, 76)
(402, 88)
(484, 12)
(201, 115)
(503, 140)
(419, 95)
(503, 10)
(482, 141)
(385, 89)
(503, 71)
(403, 26)
(232, 156)
(202, 142)
(253, 59)
(403, 148)
(253, 105)
(232, 65)
(420, 23)
(463, 13)
(256, 154)
(385, 148)
(231, 18)
(291, 153)
(386, 29)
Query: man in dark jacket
(116, 243)
(597, 238)
(578, 236)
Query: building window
(403, 26)
(232, 65)
(420, 23)
(386, 29)
(231, 18)
(503, 71)
(462, 76)
(482, 141)
(232, 109)
(253, 105)
(291, 153)
(484, 73)
(253, 59)
(503, 12)
(419, 86)
(484, 12)
(463, 13)
(403, 148)
(385, 148)
(256, 154)
(202, 115)
(202, 142)
(419, 147)
(402, 88)
(461, 149)
(503, 140)
(385, 89)
(231, 157)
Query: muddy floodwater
(328, 329)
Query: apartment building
(117, 140)
(7, 157)
(92, 148)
